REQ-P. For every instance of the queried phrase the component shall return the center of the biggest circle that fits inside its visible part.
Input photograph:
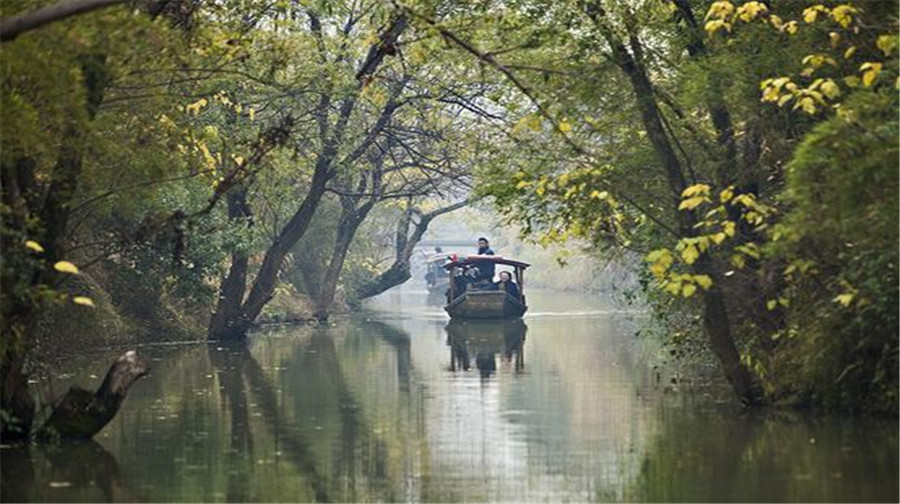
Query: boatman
(486, 269)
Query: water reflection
(369, 410)
(436, 298)
(80, 469)
(485, 340)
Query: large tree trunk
(263, 288)
(351, 218)
(715, 314)
(81, 414)
(20, 306)
(233, 323)
(227, 320)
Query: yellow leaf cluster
(66, 267)
(35, 246)
(750, 10)
(83, 301)
(870, 71)
(194, 108)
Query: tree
(645, 133)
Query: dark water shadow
(486, 340)
(76, 471)
(705, 454)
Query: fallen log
(81, 414)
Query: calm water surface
(399, 405)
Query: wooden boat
(484, 300)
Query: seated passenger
(506, 283)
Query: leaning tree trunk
(262, 291)
(81, 414)
(715, 314)
(405, 243)
(351, 218)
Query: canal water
(399, 405)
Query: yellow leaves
(661, 260)
(726, 194)
(811, 13)
(843, 15)
(692, 203)
(35, 246)
(600, 195)
(715, 25)
(66, 267)
(167, 122)
(565, 127)
(690, 254)
(673, 288)
(728, 228)
(720, 10)
(830, 89)
(750, 10)
(844, 299)
(531, 121)
(849, 52)
(790, 27)
(817, 60)
(523, 184)
(683, 284)
(772, 88)
(717, 17)
(807, 104)
(208, 158)
(888, 43)
(251, 112)
(694, 190)
(695, 196)
(194, 108)
(870, 71)
(703, 281)
(782, 90)
(750, 249)
(83, 301)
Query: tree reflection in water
(73, 470)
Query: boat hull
(485, 305)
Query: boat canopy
(440, 256)
(474, 259)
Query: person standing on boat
(486, 269)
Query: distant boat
(437, 278)
(484, 300)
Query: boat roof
(475, 258)
(440, 256)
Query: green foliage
(841, 347)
